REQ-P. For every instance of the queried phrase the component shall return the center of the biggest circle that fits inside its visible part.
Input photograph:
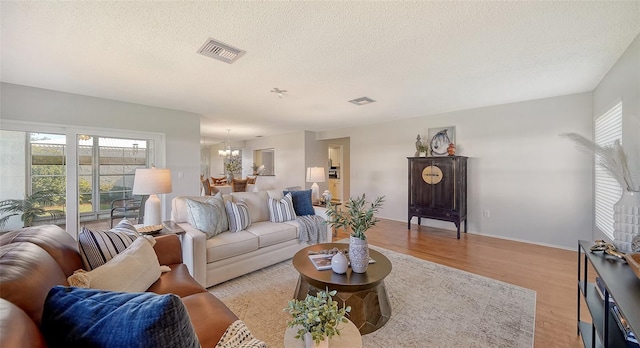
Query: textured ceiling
(413, 58)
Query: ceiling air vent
(362, 101)
(220, 51)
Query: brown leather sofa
(34, 259)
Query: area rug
(431, 306)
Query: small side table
(168, 227)
(349, 338)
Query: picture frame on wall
(439, 139)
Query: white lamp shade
(151, 181)
(315, 174)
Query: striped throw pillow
(98, 247)
(127, 227)
(238, 214)
(281, 210)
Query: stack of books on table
(629, 336)
(323, 261)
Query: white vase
(626, 220)
(310, 343)
(358, 254)
(339, 263)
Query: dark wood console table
(620, 284)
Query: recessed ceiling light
(362, 101)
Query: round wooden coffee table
(364, 292)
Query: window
(31, 164)
(88, 166)
(106, 167)
(608, 128)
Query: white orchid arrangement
(611, 157)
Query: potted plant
(318, 318)
(422, 150)
(232, 165)
(30, 207)
(357, 217)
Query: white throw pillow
(132, 270)
(281, 210)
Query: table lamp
(315, 175)
(152, 181)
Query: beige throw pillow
(132, 270)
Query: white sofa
(232, 254)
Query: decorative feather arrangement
(612, 158)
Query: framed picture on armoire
(440, 138)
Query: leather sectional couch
(33, 260)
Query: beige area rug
(431, 306)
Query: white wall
(535, 185)
(622, 82)
(289, 160)
(181, 129)
(316, 155)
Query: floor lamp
(152, 181)
(315, 175)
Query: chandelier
(227, 149)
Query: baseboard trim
(499, 237)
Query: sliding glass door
(33, 171)
(78, 182)
(106, 169)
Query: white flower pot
(358, 254)
(626, 220)
(310, 343)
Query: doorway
(338, 164)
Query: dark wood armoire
(438, 189)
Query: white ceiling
(413, 58)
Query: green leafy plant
(358, 216)
(318, 315)
(30, 207)
(423, 148)
(233, 164)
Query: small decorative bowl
(633, 260)
(151, 229)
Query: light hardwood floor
(551, 272)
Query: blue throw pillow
(75, 317)
(301, 202)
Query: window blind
(608, 128)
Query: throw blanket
(313, 228)
(239, 336)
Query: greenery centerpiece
(358, 217)
(317, 316)
(31, 207)
(232, 165)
